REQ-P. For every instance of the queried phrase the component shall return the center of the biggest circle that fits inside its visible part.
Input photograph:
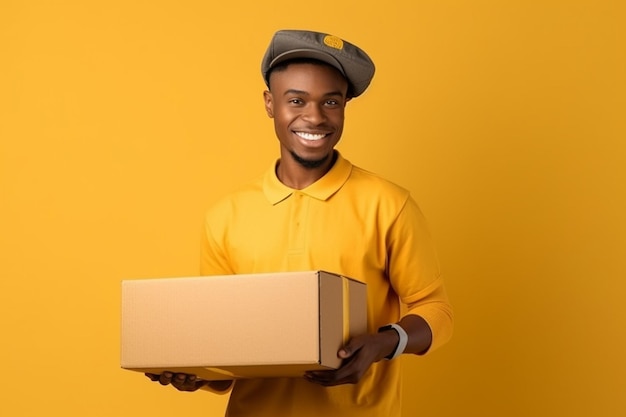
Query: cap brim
(307, 53)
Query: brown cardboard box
(240, 326)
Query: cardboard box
(240, 326)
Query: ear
(269, 104)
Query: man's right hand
(187, 382)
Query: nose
(314, 114)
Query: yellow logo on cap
(333, 42)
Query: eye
(332, 103)
(295, 101)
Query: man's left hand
(358, 355)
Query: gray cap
(349, 59)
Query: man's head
(351, 61)
(311, 77)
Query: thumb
(349, 348)
(344, 353)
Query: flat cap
(349, 59)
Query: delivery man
(314, 210)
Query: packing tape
(346, 309)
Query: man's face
(307, 103)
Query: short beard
(308, 163)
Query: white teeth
(311, 136)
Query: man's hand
(362, 351)
(182, 382)
(358, 355)
(187, 382)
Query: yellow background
(122, 121)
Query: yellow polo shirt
(350, 222)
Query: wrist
(401, 338)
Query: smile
(311, 136)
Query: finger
(187, 382)
(352, 347)
(153, 377)
(320, 375)
(329, 378)
(325, 381)
(165, 378)
(199, 383)
(332, 373)
(179, 381)
(321, 378)
(350, 372)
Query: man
(315, 210)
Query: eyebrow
(304, 93)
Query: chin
(310, 163)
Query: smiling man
(314, 210)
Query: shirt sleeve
(415, 272)
(214, 256)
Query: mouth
(312, 137)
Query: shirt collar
(322, 189)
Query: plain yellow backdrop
(122, 121)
